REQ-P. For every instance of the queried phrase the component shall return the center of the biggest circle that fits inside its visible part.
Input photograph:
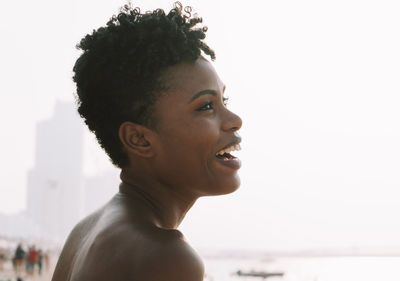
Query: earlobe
(135, 139)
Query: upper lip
(236, 141)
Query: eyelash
(209, 104)
(225, 101)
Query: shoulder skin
(148, 254)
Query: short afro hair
(118, 74)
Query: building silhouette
(59, 194)
(55, 183)
(99, 189)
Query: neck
(165, 206)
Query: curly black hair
(118, 74)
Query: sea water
(306, 269)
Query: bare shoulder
(147, 254)
(73, 245)
(174, 259)
(113, 244)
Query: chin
(225, 187)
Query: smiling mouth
(225, 154)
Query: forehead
(188, 78)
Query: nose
(231, 122)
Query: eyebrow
(205, 92)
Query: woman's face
(193, 128)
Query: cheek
(191, 146)
(194, 145)
(193, 136)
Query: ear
(136, 139)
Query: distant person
(31, 260)
(147, 90)
(19, 259)
(40, 261)
(3, 257)
(46, 258)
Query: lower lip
(233, 163)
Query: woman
(156, 106)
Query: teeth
(235, 147)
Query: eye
(225, 101)
(207, 106)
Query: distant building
(100, 189)
(55, 183)
(58, 193)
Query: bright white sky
(315, 82)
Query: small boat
(261, 274)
